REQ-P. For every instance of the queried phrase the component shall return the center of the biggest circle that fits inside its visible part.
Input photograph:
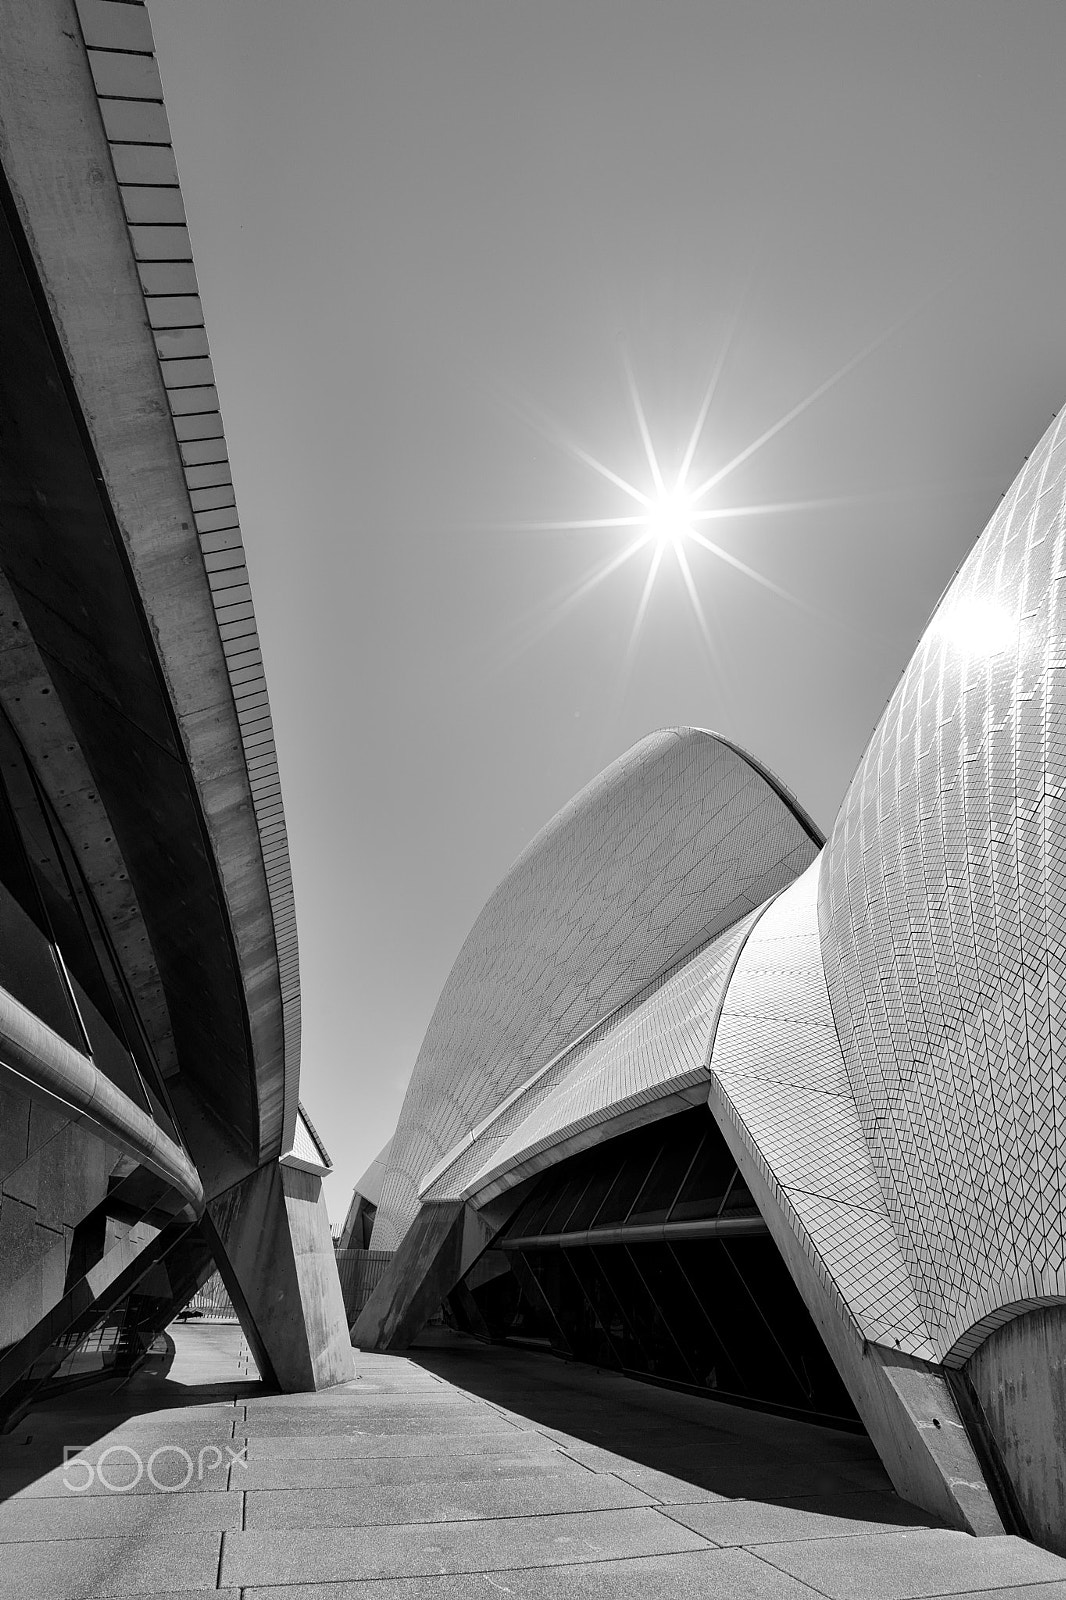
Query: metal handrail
(48, 1069)
(641, 1233)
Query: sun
(669, 518)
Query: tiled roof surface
(671, 845)
(943, 915)
(654, 1047)
(778, 1076)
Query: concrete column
(438, 1249)
(276, 1257)
(1019, 1378)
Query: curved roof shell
(649, 1058)
(672, 844)
(778, 1076)
(943, 919)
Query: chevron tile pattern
(943, 914)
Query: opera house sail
(724, 1105)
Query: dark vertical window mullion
(619, 1164)
(655, 1154)
(686, 1364)
(786, 1358)
(681, 1186)
(530, 1285)
(563, 1219)
(93, 924)
(597, 1318)
(729, 1190)
(722, 1343)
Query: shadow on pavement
(725, 1449)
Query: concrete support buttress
(905, 1405)
(438, 1249)
(276, 1257)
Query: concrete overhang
(110, 552)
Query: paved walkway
(462, 1471)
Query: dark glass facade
(648, 1254)
(131, 1249)
(55, 952)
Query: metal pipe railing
(642, 1233)
(48, 1069)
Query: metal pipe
(642, 1233)
(48, 1069)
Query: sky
(451, 253)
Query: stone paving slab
(358, 1420)
(110, 1516)
(1055, 1590)
(572, 1485)
(439, 1501)
(695, 1575)
(418, 1549)
(56, 1483)
(731, 1473)
(754, 1523)
(319, 1446)
(375, 1404)
(88, 1569)
(914, 1564)
(362, 1472)
(661, 1486)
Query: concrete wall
(53, 1172)
(1019, 1376)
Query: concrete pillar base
(276, 1257)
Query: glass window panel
(770, 1284)
(501, 1304)
(667, 1291)
(680, 1141)
(604, 1171)
(752, 1340)
(705, 1348)
(29, 969)
(739, 1198)
(592, 1313)
(611, 1312)
(556, 1284)
(708, 1179)
(539, 1320)
(109, 1053)
(651, 1348)
(638, 1154)
(526, 1223)
(568, 1192)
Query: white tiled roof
(651, 1051)
(671, 845)
(778, 1076)
(943, 911)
